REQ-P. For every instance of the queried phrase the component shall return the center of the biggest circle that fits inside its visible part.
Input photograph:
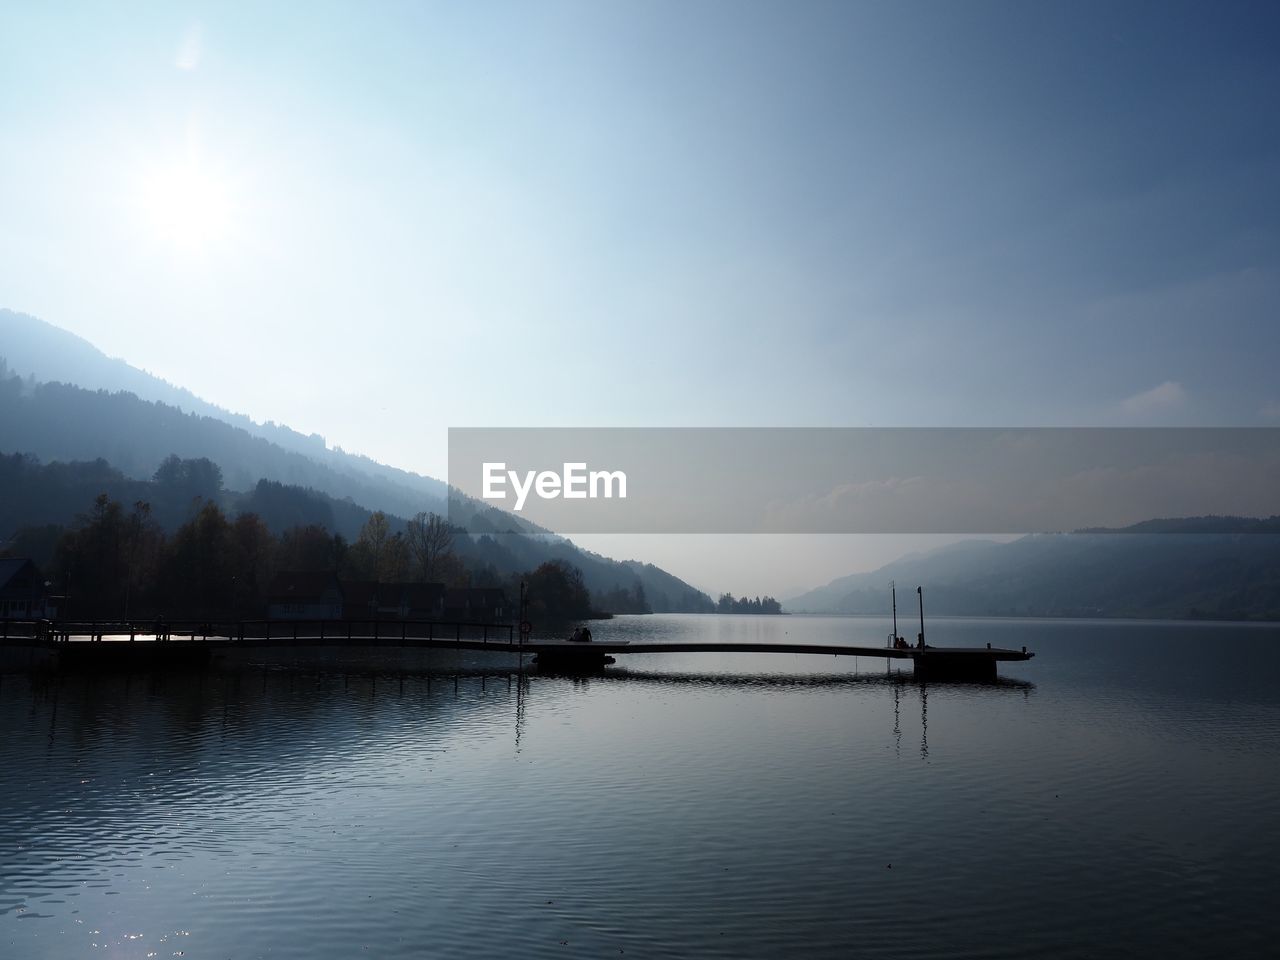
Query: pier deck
(192, 642)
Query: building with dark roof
(301, 595)
(296, 595)
(482, 604)
(24, 594)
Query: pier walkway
(121, 643)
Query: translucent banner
(858, 480)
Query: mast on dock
(920, 593)
(893, 592)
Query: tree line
(117, 561)
(728, 604)
(40, 501)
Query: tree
(623, 600)
(199, 575)
(767, 605)
(395, 560)
(254, 552)
(181, 486)
(368, 551)
(39, 543)
(282, 507)
(91, 562)
(557, 594)
(197, 478)
(430, 541)
(378, 554)
(311, 548)
(142, 544)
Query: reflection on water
(1113, 796)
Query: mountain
(1134, 572)
(845, 594)
(112, 434)
(49, 354)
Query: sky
(378, 221)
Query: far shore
(1091, 618)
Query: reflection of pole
(524, 618)
(520, 707)
(897, 729)
(924, 722)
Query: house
(481, 604)
(423, 601)
(367, 600)
(24, 594)
(295, 595)
(360, 600)
(301, 595)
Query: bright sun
(189, 206)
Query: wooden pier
(101, 644)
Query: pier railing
(256, 631)
(390, 631)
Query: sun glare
(189, 206)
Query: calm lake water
(1118, 795)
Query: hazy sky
(376, 221)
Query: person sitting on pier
(580, 635)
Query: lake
(1117, 795)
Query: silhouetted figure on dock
(580, 635)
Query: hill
(1134, 572)
(48, 354)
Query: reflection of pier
(935, 663)
(109, 644)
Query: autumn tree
(379, 554)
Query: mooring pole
(893, 590)
(920, 592)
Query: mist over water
(1110, 797)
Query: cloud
(1270, 411)
(1166, 397)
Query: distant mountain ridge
(49, 354)
(1158, 568)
